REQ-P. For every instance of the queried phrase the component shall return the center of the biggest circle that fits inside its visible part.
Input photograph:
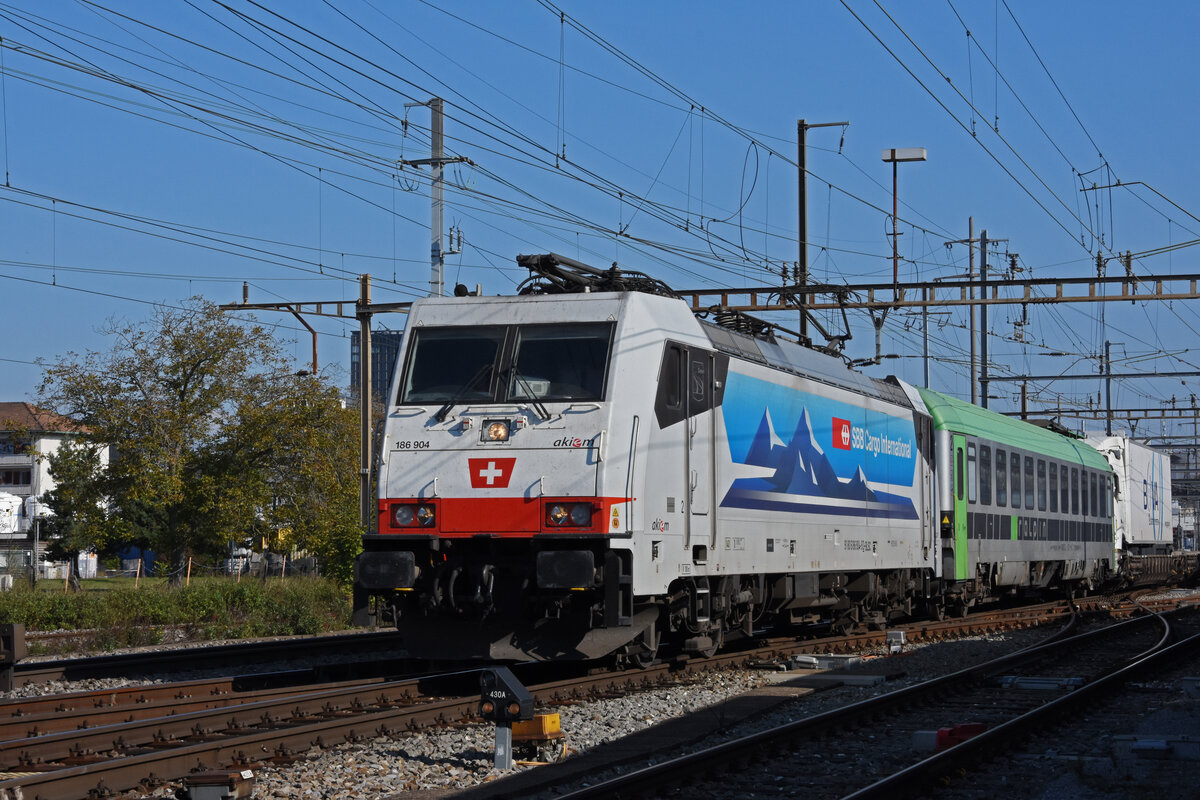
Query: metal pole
(436, 256)
(895, 237)
(925, 338)
(364, 401)
(971, 281)
(802, 275)
(983, 321)
(1108, 415)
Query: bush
(210, 608)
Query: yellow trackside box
(541, 727)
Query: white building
(27, 435)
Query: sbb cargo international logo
(841, 433)
(490, 473)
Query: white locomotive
(589, 469)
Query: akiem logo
(841, 433)
(490, 473)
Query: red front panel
(458, 517)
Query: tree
(204, 416)
(79, 520)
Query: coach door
(960, 508)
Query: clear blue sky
(154, 151)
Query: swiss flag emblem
(841, 433)
(490, 473)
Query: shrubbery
(213, 608)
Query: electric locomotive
(589, 469)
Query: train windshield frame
(507, 363)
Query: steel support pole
(364, 402)
(971, 281)
(1108, 412)
(983, 320)
(802, 270)
(437, 257)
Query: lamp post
(895, 155)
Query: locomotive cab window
(451, 363)
(559, 362)
(498, 363)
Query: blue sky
(155, 151)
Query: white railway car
(1142, 505)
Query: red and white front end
(505, 481)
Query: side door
(960, 507)
(701, 521)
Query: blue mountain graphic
(802, 468)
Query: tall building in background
(385, 348)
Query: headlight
(581, 514)
(572, 515)
(409, 515)
(495, 431)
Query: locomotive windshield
(507, 363)
(452, 364)
(559, 362)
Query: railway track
(902, 743)
(66, 746)
(162, 662)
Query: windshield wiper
(538, 408)
(440, 416)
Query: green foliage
(212, 608)
(217, 439)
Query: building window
(15, 477)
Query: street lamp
(895, 155)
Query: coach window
(972, 476)
(1109, 481)
(985, 475)
(1095, 496)
(1001, 478)
(1053, 486)
(1014, 476)
(1066, 491)
(1074, 492)
(1041, 484)
(1029, 487)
